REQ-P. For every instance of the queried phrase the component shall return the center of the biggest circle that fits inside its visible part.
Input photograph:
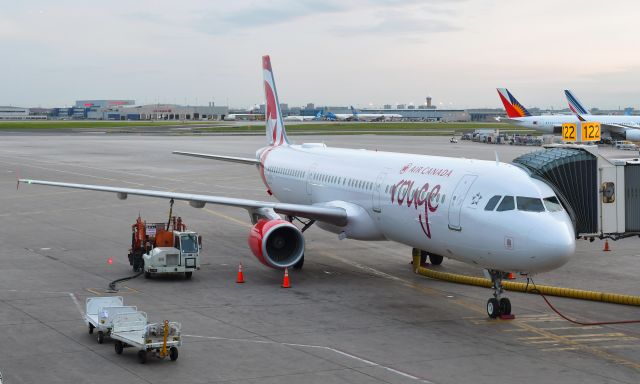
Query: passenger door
(459, 194)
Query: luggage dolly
(132, 330)
(100, 311)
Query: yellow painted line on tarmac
(232, 219)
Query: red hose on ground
(576, 321)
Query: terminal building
(17, 113)
(127, 110)
(163, 112)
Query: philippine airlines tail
(511, 105)
(574, 104)
(276, 134)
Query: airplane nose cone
(554, 245)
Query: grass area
(331, 128)
(400, 128)
(67, 124)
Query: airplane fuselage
(432, 203)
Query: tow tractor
(159, 248)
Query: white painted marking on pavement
(334, 350)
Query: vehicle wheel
(505, 306)
(91, 327)
(142, 356)
(188, 275)
(173, 353)
(100, 337)
(147, 275)
(436, 259)
(119, 347)
(423, 257)
(299, 264)
(493, 308)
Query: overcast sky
(331, 52)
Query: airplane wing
(332, 215)
(232, 159)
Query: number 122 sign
(590, 131)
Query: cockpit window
(491, 204)
(529, 204)
(507, 204)
(552, 204)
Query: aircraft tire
(435, 259)
(505, 306)
(493, 308)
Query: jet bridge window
(529, 204)
(552, 204)
(491, 204)
(507, 204)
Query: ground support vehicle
(99, 313)
(159, 248)
(130, 330)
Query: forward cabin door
(459, 194)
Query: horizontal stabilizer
(231, 159)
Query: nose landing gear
(498, 306)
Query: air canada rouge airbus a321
(486, 213)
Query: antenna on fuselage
(497, 158)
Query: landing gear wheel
(142, 356)
(493, 308)
(423, 257)
(91, 327)
(100, 337)
(119, 347)
(147, 275)
(505, 306)
(187, 275)
(298, 266)
(435, 259)
(173, 353)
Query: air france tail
(276, 134)
(511, 105)
(574, 104)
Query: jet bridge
(602, 196)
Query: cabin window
(491, 204)
(529, 204)
(507, 204)
(552, 204)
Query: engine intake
(276, 243)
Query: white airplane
(318, 116)
(240, 116)
(374, 116)
(518, 115)
(486, 213)
(625, 126)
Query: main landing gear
(435, 259)
(497, 305)
(306, 225)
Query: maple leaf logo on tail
(276, 134)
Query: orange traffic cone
(285, 281)
(606, 246)
(240, 279)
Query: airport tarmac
(355, 314)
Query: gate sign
(590, 131)
(569, 132)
